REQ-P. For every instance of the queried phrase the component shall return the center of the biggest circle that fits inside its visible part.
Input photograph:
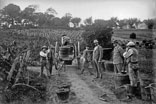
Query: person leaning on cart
(44, 60)
(65, 40)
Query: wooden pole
(78, 48)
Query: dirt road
(87, 89)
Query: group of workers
(121, 58)
(124, 61)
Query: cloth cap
(95, 41)
(44, 47)
(130, 44)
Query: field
(140, 34)
(34, 39)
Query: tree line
(11, 16)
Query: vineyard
(20, 49)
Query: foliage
(103, 35)
(88, 21)
(76, 21)
(150, 23)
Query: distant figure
(65, 40)
(118, 58)
(97, 57)
(131, 56)
(50, 56)
(44, 61)
(85, 61)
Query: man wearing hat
(131, 56)
(97, 57)
(118, 57)
(43, 60)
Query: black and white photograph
(77, 51)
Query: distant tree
(50, 13)
(11, 13)
(100, 23)
(132, 21)
(76, 21)
(66, 19)
(123, 22)
(150, 23)
(88, 21)
(41, 18)
(28, 14)
(56, 21)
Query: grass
(140, 34)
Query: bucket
(63, 94)
(121, 79)
(109, 66)
(152, 87)
(145, 89)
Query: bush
(103, 35)
(132, 36)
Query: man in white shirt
(131, 56)
(44, 60)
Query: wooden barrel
(71, 50)
(64, 52)
(121, 79)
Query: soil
(85, 89)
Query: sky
(98, 9)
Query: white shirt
(43, 54)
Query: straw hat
(130, 43)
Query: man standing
(131, 56)
(50, 56)
(97, 57)
(43, 60)
(85, 61)
(118, 57)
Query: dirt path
(82, 90)
(86, 89)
